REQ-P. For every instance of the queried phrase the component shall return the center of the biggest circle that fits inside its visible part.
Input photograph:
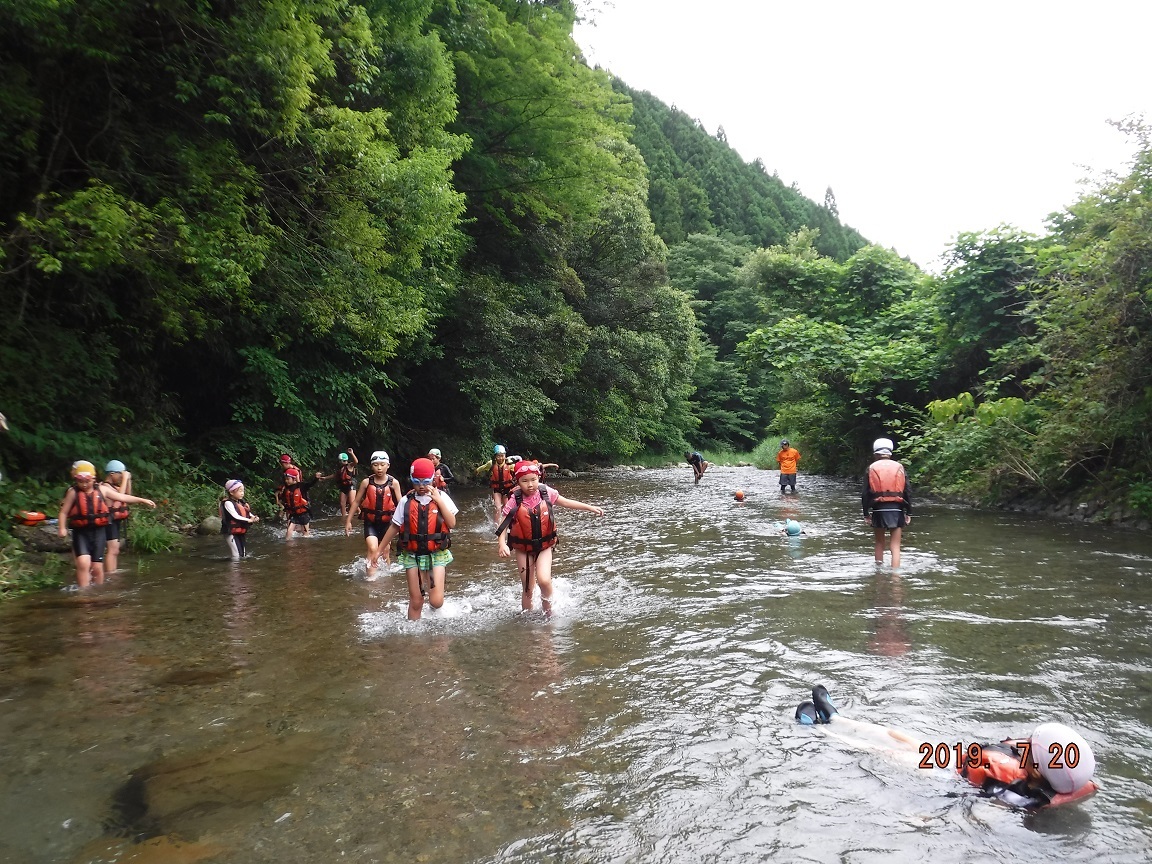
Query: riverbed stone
(41, 538)
(210, 525)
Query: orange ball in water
(739, 495)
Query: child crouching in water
(235, 517)
(530, 528)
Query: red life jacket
(532, 529)
(294, 500)
(228, 525)
(377, 505)
(500, 478)
(89, 510)
(886, 481)
(422, 528)
(346, 476)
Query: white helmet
(884, 446)
(1064, 758)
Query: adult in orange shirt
(787, 459)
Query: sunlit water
(283, 710)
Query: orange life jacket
(295, 502)
(422, 528)
(532, 529)
(89, 510)
(377, 505)
(228, 525)
(500, 478)
(119, 509)
(1001, 765)
(886, 481)
(346, 476)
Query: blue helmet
(498, 449)
(114, 466)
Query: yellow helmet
(82, 468)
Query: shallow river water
(283, 710)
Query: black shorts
(113, 530)
(888, 519)
(90, 541)
(302, 519)
(376, 529)
(346, 490)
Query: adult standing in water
(696, 459)
(787, 459)
(887, 500)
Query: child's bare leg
(878, 538)
(544, 579)
(415, 595)
(524, 564)
(97, 572)
(895, 547)
(83, 570)
(111, 556)
(291, 528)
(373, 552)
(436, 587)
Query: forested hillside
(700, 185)
(233, 229)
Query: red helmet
(422, 469)
(526, 467)
(285, 458)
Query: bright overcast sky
(926, 117)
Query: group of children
(97, 513)
(421, 520)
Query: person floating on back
(887, 500)
(696, 459)
(1053, 766)
(423, 521)
(528, 527)
(787, 459)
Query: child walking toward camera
(529, 528)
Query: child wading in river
(86, 511)
(235, 518)
(375, 502)
(530, 529)
(423, 521)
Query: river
(283, 710)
